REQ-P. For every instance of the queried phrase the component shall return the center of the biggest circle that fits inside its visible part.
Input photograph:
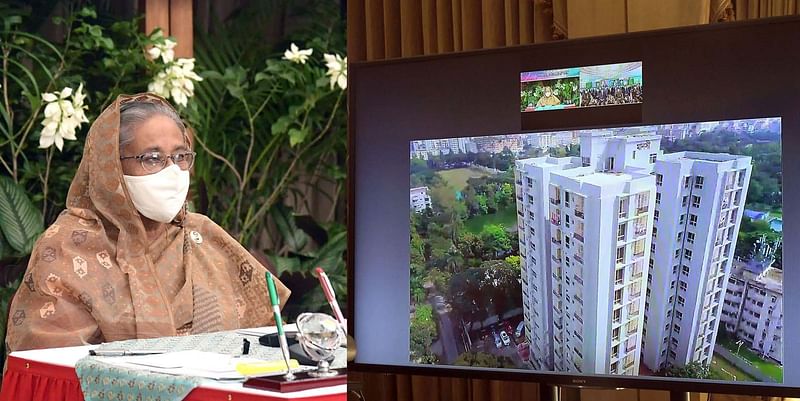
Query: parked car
(497, 342)
(504, 337)
(520, 329)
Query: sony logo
(578, 381)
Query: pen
(122, 352)
(327, 288)
(276, 309)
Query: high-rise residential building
(587, 228)
(420, 200)
(699, 205)
(753, 308)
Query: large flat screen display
(649, 250)
(647, 244)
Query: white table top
(69, 356)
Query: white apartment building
(753, 308)
(585, 228)
(420, 200)
(588, 226)
(699, 205)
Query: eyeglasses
(153, 162)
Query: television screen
(647, 250)
(625, 245)
(564, 88)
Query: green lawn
(767, 367)
(718, 364)
(457, 177)
(507, 217)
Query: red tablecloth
(28, 380)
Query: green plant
(269, 133)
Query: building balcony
(579, 280)
(556, 240)
(555, 201)
(577, 297)
(578, 236)
(638, 254)
(519, 198)
(628, 365)
(557, 258)
(641, 209)
(579, 212)
(556, 221)
(630, 347)
(519, 182)
(578, 318)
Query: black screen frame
(575, 53)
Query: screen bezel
(623, 115)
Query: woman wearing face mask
(125, 259)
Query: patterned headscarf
(95, 276)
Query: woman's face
(158, 134)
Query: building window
(621, 254)
(655, 215)
(652, 158)
(698, 182)
(681, 301)
(686, 181)
(685, 201)
(677, 253)
(659, 179)
(658, 198)
(585, 161)
(688, 254)
(690, 237)
(677, 328)
(680, 236)
(695, 201)
(682, 219)
(621, 232)
(683, 286)
(692, 219)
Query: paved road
(448, 337)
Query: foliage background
(270, 169)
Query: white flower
(337, 70)
(295, 55)
(165, 51)
(176, 81)
(62, 116)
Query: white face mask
(159, 196)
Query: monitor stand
(558, 393)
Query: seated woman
(125, 259)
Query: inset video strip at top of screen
(577, 87)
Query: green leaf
(286, 265)
(261, 76)
(21, 222)
(330, 255)
(294, 238)
(323, 82)
(279, 127)
(297, 136)
(3, 246)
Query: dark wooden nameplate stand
(302, 381)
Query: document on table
(260, 331)
(208, 365)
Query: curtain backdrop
(381, 29)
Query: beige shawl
(94, 276)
